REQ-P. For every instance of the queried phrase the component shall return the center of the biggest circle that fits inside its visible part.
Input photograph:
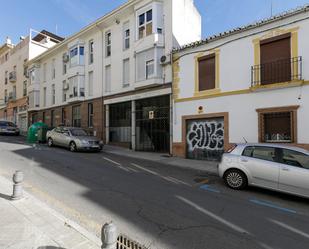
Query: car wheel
(50, 142)
(73, 147)
(235, 179)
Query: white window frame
(25, 88)
(148, 64)
(5, 95)
(6, 78)
(53, 69)
(91, 52)
(44, 96)
(44, 72)
(53, 90)
(126, 35)
(14, 92)
(124, 83)
(108, 43)
(80, 58)
(90, 84)
(64, 66)
(75, 54)
(145, 24)
(64, 94)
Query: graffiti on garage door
(205, 138)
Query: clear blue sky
(71, 15)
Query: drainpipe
(106, 123)
(171, 108)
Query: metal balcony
(280, 71)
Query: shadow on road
(144, 202)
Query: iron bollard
(109, 236)
(18, 178)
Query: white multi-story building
(248, 84)
(114, 76)
(13, 74)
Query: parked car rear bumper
(7, 132)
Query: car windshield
(78, 132)
(4, 123)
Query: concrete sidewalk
(209, 167)
(30, 224)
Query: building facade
(14, 77)
(248, 84)
(114, 77)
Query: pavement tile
(30, 224)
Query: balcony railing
(279, 71)
(12, 76)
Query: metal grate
(123, 242)
(153, 124)
(284, 70)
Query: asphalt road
(158, 205)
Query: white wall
(243, 118)
(160, 43)
(187, 22)
(236, 58)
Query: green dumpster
(37, 133)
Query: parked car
(74, 139)
(278, 167)
(9, 128)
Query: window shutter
(275, 59)
(207, 72)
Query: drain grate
(123, 242)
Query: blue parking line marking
(272, 205)
(209, 188)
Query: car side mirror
(66, 134)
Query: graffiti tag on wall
(205, 135)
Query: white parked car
(278, 167)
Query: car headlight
(84, 142)
(101, 142)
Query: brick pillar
(133, 125)
(107, 123)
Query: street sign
(151, 114)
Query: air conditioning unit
(65, 58)
(165, 59)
